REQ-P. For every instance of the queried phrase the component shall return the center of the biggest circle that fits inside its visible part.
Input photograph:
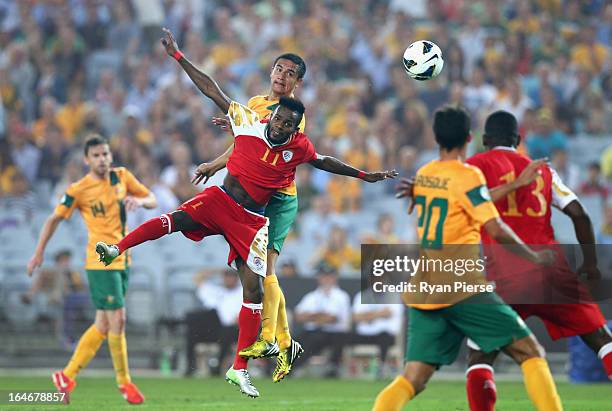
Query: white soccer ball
(423, 60)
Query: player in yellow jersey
(103, 196)
(287, 74)
(453, 204)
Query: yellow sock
(395, 395)
(282, 324)
(540, 385)
(269, 315)
(118, 349)
(86, 349)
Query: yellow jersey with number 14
(101, 205)
(264, 107)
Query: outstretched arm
(45, 235)
(335, 166)
(202, 80)
(586, 237)
(207, 170)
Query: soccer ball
(423, 60)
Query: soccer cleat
(107, 252)
(242, 379)
(260, 349)
(131, 393)
(285, 360)
(64, 384)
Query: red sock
(480, 386)
(149, 230)
(249, 321)
(605, 353)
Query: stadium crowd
(69, 68)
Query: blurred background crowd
(69, 68)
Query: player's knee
(478, 357)
(525, 349)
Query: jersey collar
(506, 148)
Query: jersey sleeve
(241, 118)
(67, 203)
(135, 187)
(310, 153)
(561, 194)
(475, 197)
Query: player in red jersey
(265, 156)
(528, 212)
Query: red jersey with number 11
(261, 168)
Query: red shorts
(564, 320)
(245, 231)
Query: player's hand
(379, 176)
(405, 188)
(169, 42)
(131, 203)
(222, 123)
(592, 272)
(530, 172)
(545, 257)
(34, 263)
(204, 172)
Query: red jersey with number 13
(527, 210)
(261, 168)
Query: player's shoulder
(470, 174)
(256, 100)
(80, 185)
(119, 173)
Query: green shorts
(281, 210)
(108, 288)
(435, 336)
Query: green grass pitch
(100, 394)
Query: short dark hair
(501, 129)
(451, 127)
(294, 105)
(301, 64)
(94, 140)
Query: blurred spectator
(217, 321)
(606, 163)
(20, 199)
(73, 171)
(376, 324)
(178, 175)
(70, 117)
(589, 54)
(595, 183)
(54, 155)
(48, 113)
(316, 224)
(385, 231)
(288, 269)
(338, 253)
(7, 169)
(546, 138)
(511, 98)
(148, 173)
(477, 94)
(58, 293)
(25, 155)
(112, 110)
(604, 236)
(569, 173)
(75, 296)
(325, 315)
